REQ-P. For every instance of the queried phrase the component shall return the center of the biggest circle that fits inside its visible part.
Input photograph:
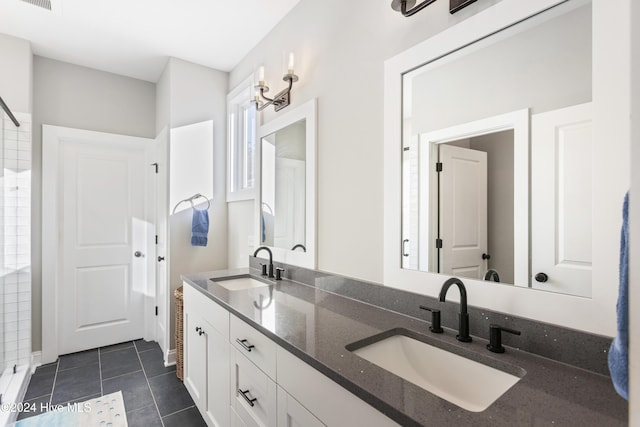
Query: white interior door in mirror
(289, 222)
(463, 211)
(561, 190)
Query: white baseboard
(171, 358)
(36, 360)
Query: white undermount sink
(464, 382)
(239, 283)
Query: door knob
(541, 277)
(160, 258)
(138, 254)
(486, 256)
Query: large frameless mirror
(497, 156)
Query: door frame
(52, 139)
(518, 121)
(162, 327)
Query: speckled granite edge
(576, 348)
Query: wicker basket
(179, 332)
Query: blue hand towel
(619, 351)
(199, 227)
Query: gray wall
(189, 93)
(340, 50)
(78, 97)
(16, 73)
(545, 68)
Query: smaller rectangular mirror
(285, 211)
(283, 188)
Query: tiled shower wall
(15, 242)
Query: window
(241, 147)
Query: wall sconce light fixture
(282, 98)
(408, 7)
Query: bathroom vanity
(261, 352)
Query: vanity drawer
(253, 393)
(213, 313)
(254, 345)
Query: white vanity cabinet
(239, 377)
(206, 356)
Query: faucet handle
(279, 272)
(495, 337)
(435, 327)
(264, 269)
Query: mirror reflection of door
(472, 204)
(462, 216)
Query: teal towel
(199, 227)
(619, 351)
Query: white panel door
(562, 197)
(101, 294)
(463, 211)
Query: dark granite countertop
(316, 326)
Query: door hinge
(156, 166)
(439, 167)
(156, 310)
(156, 239)
(438, 243)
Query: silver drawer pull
(249, 401)
(245, 344)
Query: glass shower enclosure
(15, 255)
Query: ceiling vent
(45, 4)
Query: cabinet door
(206, 358)
(292, 414)
(218, 399)
(195, 357)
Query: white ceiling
(135, 37)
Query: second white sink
(240, 283)
(464, 382)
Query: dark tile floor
(153, 395)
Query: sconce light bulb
(291, 62)
(261, 75)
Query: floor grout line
(122, 375)
(180, 410)
(55, 378)
(144, 372)
(100, 372)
